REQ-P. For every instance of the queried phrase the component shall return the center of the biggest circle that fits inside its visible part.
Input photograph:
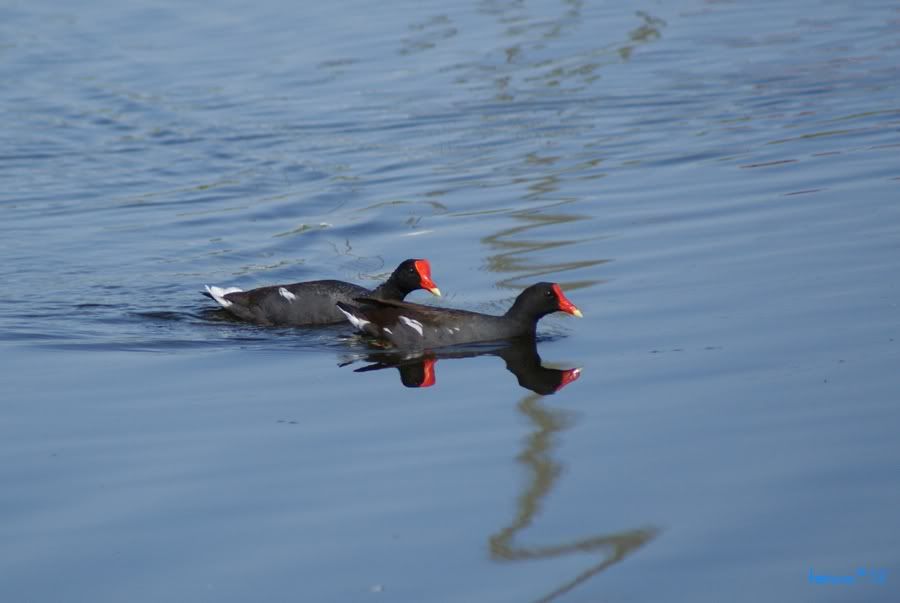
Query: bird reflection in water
(505, 544)
(520, 356)
(544, 471)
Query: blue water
(714, 184)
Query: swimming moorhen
(414, 326)
(313, 302)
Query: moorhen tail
(414, 326)
(313, 302)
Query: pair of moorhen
(383, 314)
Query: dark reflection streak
(525, 72)
(511, 260)
(522, 27)
(545, 471)
(620, 553)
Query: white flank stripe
(357, 322)
(414, 324)
(388, 331)
(218, 294)
(286, 294)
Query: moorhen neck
(414, 326)
(313, 302)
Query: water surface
(714, 184)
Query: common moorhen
(414, 326)
(313, 302)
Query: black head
(541, 299)
(414, 274)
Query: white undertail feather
(357, 322)
(413, 324)
(218, 294)
(286, 294)
(388, 331)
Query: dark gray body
(440, 327)
(418, 327)
(314, 303)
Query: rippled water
(714, 184)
